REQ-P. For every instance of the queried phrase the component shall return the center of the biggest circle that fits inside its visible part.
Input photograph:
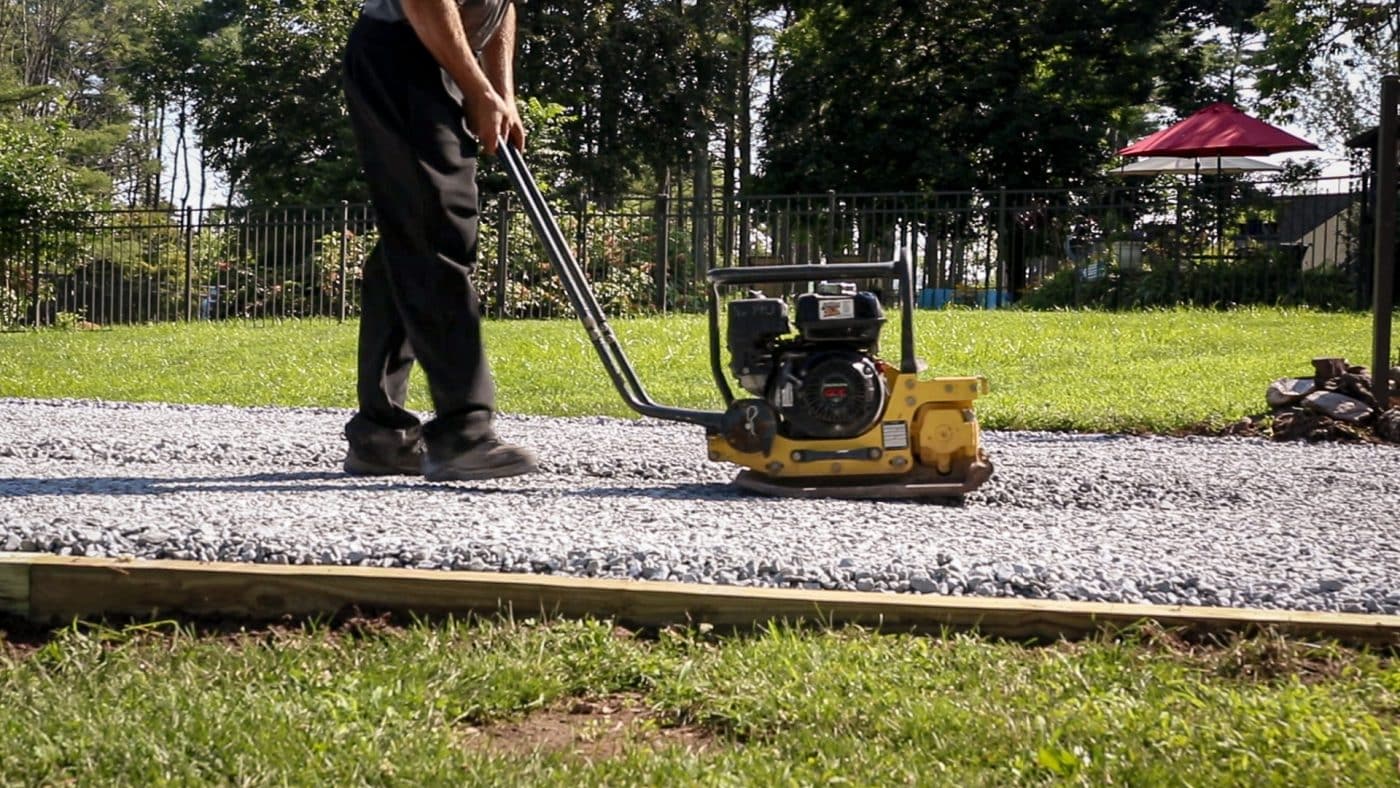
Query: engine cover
(836, 394)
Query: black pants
(418, 299)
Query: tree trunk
(700, 131)
(700, 188)
(728, 187)
(660, 222)
(746, 76)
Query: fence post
(831, 224)
(728, 233)
(1386, 197)
(344, 253)
(4, 279)
(698, 232)
(581, 236)
(502, 251)
(189, 264)
(1366, 251)
(34, 264)
(659, 271)
(786, 233)
(1003, 248)
(741, 205)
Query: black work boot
(380, 451)
(490, 458)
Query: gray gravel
(1240, 522)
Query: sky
(215, 183)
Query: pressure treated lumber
(61, 588)
(14, 588)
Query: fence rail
(1207, 240)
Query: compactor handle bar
(590, 313)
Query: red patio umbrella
(1218, 130)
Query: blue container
(935, 297)
(987, 299)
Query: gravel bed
(1235, 521)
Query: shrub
(1259, 276)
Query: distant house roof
(1300, 214)
(1366, 140)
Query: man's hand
(492, 118)
(488, 95)
(516, 134)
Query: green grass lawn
(522, 703)
(1092, 371)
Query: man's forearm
(439, 27)
(498, 58)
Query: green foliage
(894, 96)
(647, 84)
(34, 178)
(617, 255)
(1321, 62)
(68, 321)
(548, 150)
(1260, 276)
(36, 184)
(65, 69)
(326, 262)
(262, 83)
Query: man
(427, 82)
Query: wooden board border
(14, 587)
(52, 589)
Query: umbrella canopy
(1167, 165)
(1218, 130)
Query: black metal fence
(1203, 240)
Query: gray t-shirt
(480, 18)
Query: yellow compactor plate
(920, 483)
(927, 446)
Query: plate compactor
(823, 415)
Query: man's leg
(385, 438)
(421, 168)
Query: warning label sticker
(837, 309)
(896, 434)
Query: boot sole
(447, 473)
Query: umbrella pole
(1219, 210)
(1197, 194)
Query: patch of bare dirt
(588, 728)
(1263, 656)
(1246, 427)
(19, 638)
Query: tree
(636, 78)
(259, 82)
(64, 67)
(34, 179)
(933, 94)
(930, 95)
(1322, 60)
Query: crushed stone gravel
(1194, 521)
